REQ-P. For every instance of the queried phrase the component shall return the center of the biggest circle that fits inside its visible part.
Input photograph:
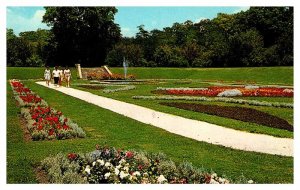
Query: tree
(19, 50)
(82, 34)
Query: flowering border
(229, 91)
(130, 87)
(217, 99)
(42, 121)
(122, 87)
(109, 165)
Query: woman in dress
(67, 74)
(47, 75)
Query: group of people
(58, 75)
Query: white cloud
(20, 24)
(242, 9)
(199, 19)
(127, 32)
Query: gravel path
(198, 130)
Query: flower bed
(108, 165)
(101, 86)
(217, 99)
(228, 91)
(238, 113)
(105, 76)
(25, 96)
(47, 123)
(43, 122)
(129, 87)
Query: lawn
(270, 75)
(107, 128)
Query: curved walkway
(198, 130)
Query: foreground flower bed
(108, 165)
(42, 121)
(229, 91)
(217, 99)
(238, 113)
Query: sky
(22, 19)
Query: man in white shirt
(55, 75)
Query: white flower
(232, 92)
(212, 181)
(123, 174)
(251, 87)
(94, 163)
(161, 179)
(107, 164)
(288, 90)
(122, 161)
(107, 175)
(137, 173)
(101, 162)
(250, 181)
(214, 175)
(118, 166)
(221, 180)
(117, 171)
(87, 169)
(126, 169)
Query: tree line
(260, 36)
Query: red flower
(66, 127)
(140, 167)
(51, 132)
(55, 119)
(40, 127)
(129, 154)
(58, 126)
(72, 156)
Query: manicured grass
(108, 128)
(266, 75)
(31, 73)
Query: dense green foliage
(81, 34)
(260, 36)
(29, 49)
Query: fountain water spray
(125, 65)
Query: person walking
(47, 75)
(55, 75)
(61, 76)
(67, 73)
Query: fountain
(125, 65)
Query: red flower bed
(42, 121)
(48, 120)
(215, 90)
(30, 98)
(19, 88)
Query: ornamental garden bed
(42, 121)
(229, 91)
(238, 113)
(109, 165)
(93, 87)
